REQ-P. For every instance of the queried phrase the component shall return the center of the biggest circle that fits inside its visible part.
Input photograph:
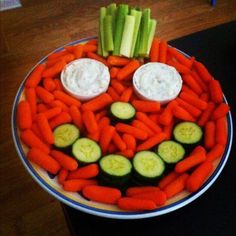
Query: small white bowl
(84, 70)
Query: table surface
(29, 33)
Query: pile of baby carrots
(47, 105)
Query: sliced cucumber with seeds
(170, 151)
(65, 135)
(86, 150)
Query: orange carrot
(35, 77)
(176, 186)
(104, 121)
(52, 112)
(197, 102)
(127, 70)
(36, 131)
(70, 48)
(128, 129)
(43, 160)
(166, 117)
(155, 117)
(100, 115)
(115, 96)
(166, 180)
(89, 48)
(119, 87)
(202, 71)
(132, 191)
(151, 142)
(97, 57)
(49, 84)
(130, 141)
(76, 185)
(146, 120)
(133, 204)
(92, 41)
(76, 116)
(182, 114)
(162, 51)
(191, 82)
(205, 97)
(102, 194)
(220, 111)
(31, 98)
(58, 84)
(126, 95)
(146, 106)
(168, 130)
(140, 125)
(209, 134)
(113, 72)
(198, 177)
(120, 144)
(112, 148)
(188, 162)
(94, 136)
(63, 173)
(89, 121)
(60, 119)
(117, 61)
(154, 52)
(58, 103)
(215, 152)
(66, 58)
(127, 153)
(179, 67)
(106, 137)
(45, 128)
(65, 98)
(44, 95)
(215, 91)
(41, 107)
(57, 54)
(198, 149)
(78, 51)
(188, 90)
(86, 172)
(221, 131)
(98, 103)
(24, 115)
(198, 79)
(54, 69)
(205, 116)
(64, 160)
(30, 139)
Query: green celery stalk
(122, 11)
(137, 45)
(108, 38)
(127, 37)
(138, 16)
(103, 11)
(152, 29)
(111, 10)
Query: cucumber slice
(65, 135)
(122, 111)
(188, 133)
(86, 150)
(170, 152)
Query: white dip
(85, 77)
(157, 81)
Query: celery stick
(108, 39)
(138, 16)
(122, 11)
(126, 43)
(111, 10)
(152, 29)
(137, 45)
(99, 51)
(144, 31)
(101, 29)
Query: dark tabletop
(214, 212)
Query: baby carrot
(45, 128)
(220, 111)
(76, 116)
(176, 186)
(209, 134)
(76, 185)
(128, 129)
(66, 58)
(57, 54)
(205, 116)
(102, 194)
(188, 162)
(65, 98)
(60, 119)
(58, 103)
(44, 95)
(114, 72)
(168, 130)
(117, 61)
(36, 130)
(133, 204)
(43, 160)
(89, 121)
(126, 95)
(198, 177)
(115, 96)
(41, 107)
(146, 106)
(117, 140)
(221, 131)
(191, 82)
(198, 79)
(35, 77)
(94, 136)
(146, 120)
(78, 51)
(151, 142)
(31, 98)
(100, 115)
(30, 139)
(140, 125)
(112, 148)
(188, 90)
(205, 97)
(215, 152)
(97, 57)
(166, 117)
(162, 51)
(127, 70)
(198, 149)
(54, 69)
(202, 71)
(127, 153)
(130, 141)
(179, 67)
(119, 87)
(155, 117)
(98, 103)
(24, 115)
(49, 84)
(132, 191)
(215, 91)
(166, 180)
(182, 114)
(86, 172)
(92, 41)
(89, 48)
(104, 121)
(63, 173)
(154, 52)
(197, 102)
(106, 137)
(50, 113)
(58, 84)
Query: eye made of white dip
(157, 82)
(85, 78)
